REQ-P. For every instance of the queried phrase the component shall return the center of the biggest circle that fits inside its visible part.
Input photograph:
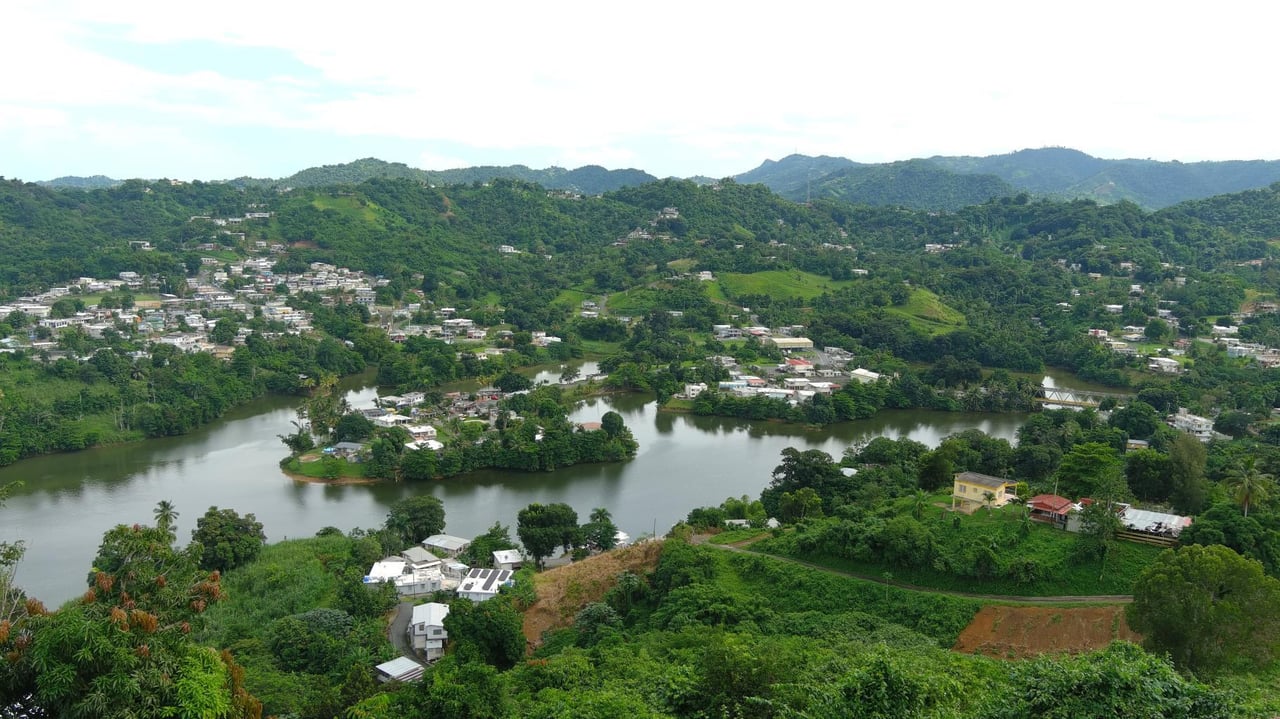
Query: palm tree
(918, 503)
(165, 515)
(987, 499)
(1249, 483)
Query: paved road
(397, 633)
(1011, 598)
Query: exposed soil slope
(564, 590)
(1015, 632)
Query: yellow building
(972, 490)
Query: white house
(426, 629)
(1199, 427)
(483, 584)
(1167, 365)
(864, 376)
(508, 559)
(445, 545)
(421, 431)
(391, 420)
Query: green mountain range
(588, 180)
(939, 182)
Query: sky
(157, 88)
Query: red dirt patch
(1016, 632)
(564, 590)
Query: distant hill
(1055, 172)
(918, 184)
(791, 175)
(71, 182)
(1065, 173)
(590, 180)
(1254, 214)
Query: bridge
(1065, 397)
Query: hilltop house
(970, 491)
(426, 629)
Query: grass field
(572, 299)
(782, 284)
(352, 208)
(317, 468)
(633, 302)
(927, 313)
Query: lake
(685, 461)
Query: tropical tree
(1207, 607)
(1187, 460)
(125, 649)
(415, 518)
(489, 631)
(227, 540)
(11, 599)
(1249, 484)
(600, 532)
(165, 515)
(919, 503)
(543, 527)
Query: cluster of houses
(428, 568)
(794, 380)
(972, 490)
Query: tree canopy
(1208, 608)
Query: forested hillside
(590, 179)
(1059, 173)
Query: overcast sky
(159, 88)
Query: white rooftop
(507, 556)
(447, 542)
(385, 570)
(431, 614)
(401, 669)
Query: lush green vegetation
(998, 552)
(779, 284)
(710, 633)
(113, 396)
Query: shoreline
(299, 477)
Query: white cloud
(718, 86)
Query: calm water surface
(70, 500)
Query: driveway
(397, 633)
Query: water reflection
(70, 500)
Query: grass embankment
(318, 466)
(1049, 558)
(738, 536)
(351, 208)
(927, 313)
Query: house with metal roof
(400, 669)
(445, 545)
(426, 629)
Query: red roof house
(1049, 508)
